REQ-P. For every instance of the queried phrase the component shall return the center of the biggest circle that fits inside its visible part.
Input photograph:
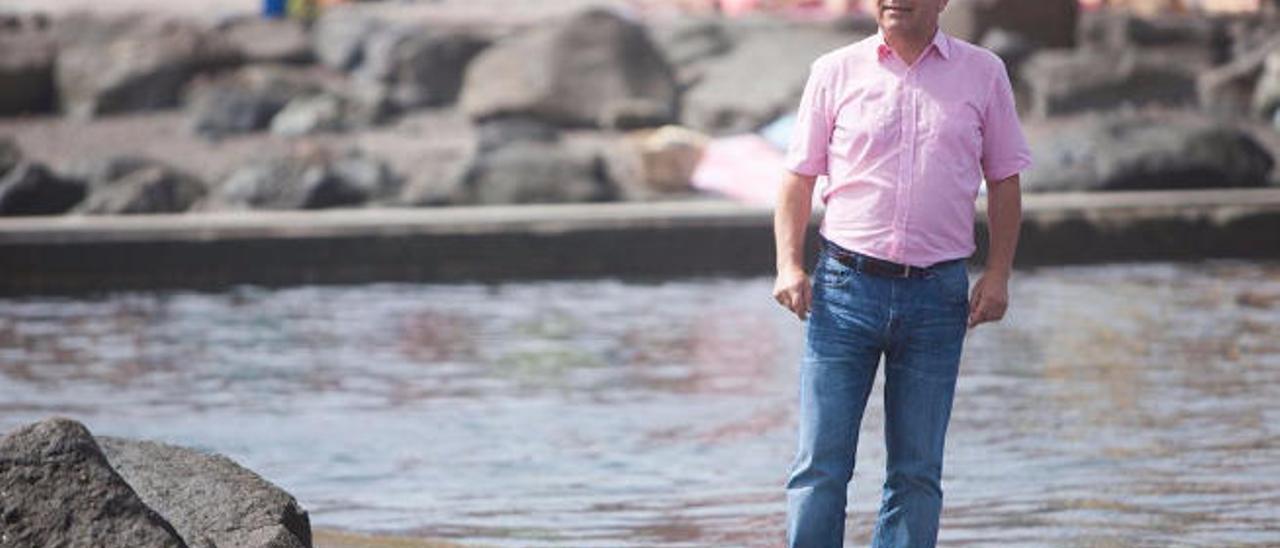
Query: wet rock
(312, 182)
(971, 20)
(59, 490)
(1137, 152)
(525, 171)
(26, 73)
(1230, 89)
(208, 498)
(1066, 82)
(573, 73)
(268, 40)
(119, 67)
(132, 185)
(29, 188)
(420, 66)
(757, 81)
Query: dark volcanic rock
(1196, 36)
(338, 37)
(757, 81)
(59, 490)
(1051, 23)
(589, 70)
(1230, 89)
(1066, 82)
(532, 171)
(114, 66)
(29, 188)
(128, 185)
(10, 154)
(208, 498)
(419, 66)
(305, 183)
(1139, 153)
(26, 73)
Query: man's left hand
(989, 299)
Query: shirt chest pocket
(865, 121)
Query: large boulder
(131, 185)
(30, 188)
(260, 40)
(116, 67)
(252, 97)
(59, 490)
(1230, 89)
(520, 161)
(208, 498)
(419, 66)
(1194, 36)
(1051, 23)
(306, 182)
(1067, 82)
(1266, 98)
(689, 42)
(26, 73)
(1141, 152)
(10, 154)
(592, 69)
(760, 78)
(339, 36)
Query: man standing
(905, 124)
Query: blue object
(778, 132)
(273, 8)
(918, 326)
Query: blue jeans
(918, 325)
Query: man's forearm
(791, 220)
(1004, 218)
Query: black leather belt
(874, 266)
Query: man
(905, 124)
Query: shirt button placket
(905, 158)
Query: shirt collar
(939, 43)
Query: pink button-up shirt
(905, 148)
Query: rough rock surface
(1142, 152)
(1067, 82)
(970, 20)
(208, 498)
(131, 185)
(593, 69)
(59, 490)
(114, 66)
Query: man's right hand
(792, 291)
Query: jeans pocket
(953, 283)
(830, 272)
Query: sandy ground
(335, 538)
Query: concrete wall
(75, 254)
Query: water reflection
(1117, 406)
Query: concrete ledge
(66, 254)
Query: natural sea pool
(1118, 405)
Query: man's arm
(990, 295)
(790, 225)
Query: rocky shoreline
(379, 104)
(63, 486)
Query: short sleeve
(1004, 147)
(807, 148)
